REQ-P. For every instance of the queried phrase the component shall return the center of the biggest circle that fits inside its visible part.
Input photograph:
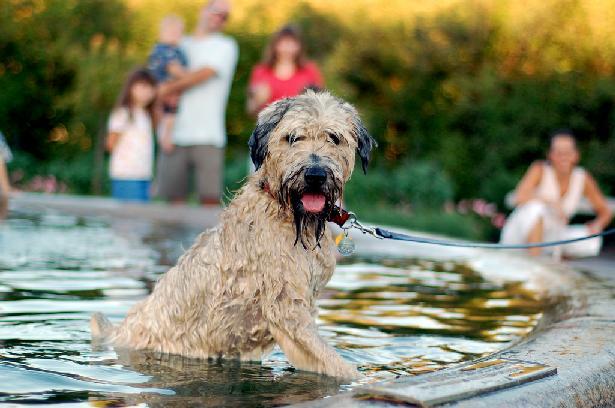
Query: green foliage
(437, 222)
(440, 91)
(460, 94)
(235, 172)
(45, 49)
(417, 185)
(412, 198)
(75, 174)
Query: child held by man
(167, 61)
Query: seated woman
(5, 157)
(5, 186)
(548, 196)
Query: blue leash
(385, 234)
(346, 220)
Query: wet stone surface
(460, 383)
(391, 317)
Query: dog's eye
(292, 139)
(333, 138)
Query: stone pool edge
(576, 335)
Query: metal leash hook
(354, 223)
(345, 244)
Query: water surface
(391, 317)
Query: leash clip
(352, 222)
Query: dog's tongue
(313, 202)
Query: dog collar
(266, 188)
(337, 215)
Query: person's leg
(117, 189)
(143, 188)
(536, 236)
(580, 249)
(173, 175)
(166, 132)
(5, 186)
(169, 111)
(122, 189)
(130, 190)
(4, 207)
(5, 189)
(209, 166)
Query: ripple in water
(389, 316)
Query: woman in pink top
(284, 71)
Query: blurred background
(461, 95)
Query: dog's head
(303, 149)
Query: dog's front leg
(294, 329)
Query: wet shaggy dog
(253, 280)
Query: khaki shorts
(174, 172)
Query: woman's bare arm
(527, 186)
(251, 104)
(5, 186)
(604, 214)
(257, 97)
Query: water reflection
(389, 316)
(222, 383)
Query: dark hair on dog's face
(303, 149)
(294, 190)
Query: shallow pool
(389, 316)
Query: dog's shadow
(228, 383)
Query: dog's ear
(365, 143)
(268, 120)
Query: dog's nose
(315, 176)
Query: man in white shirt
(199, 132)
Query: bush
(235, 172)
(472, 88)
(418, 185)
(452, 224)
(67, 176)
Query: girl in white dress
(130, 138)
(548, 196)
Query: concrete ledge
(576, 334)
(202, 217)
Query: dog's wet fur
(253, 280)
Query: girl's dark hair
(125, 98)
(288, 31)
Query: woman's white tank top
(548, 189)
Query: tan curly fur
(253, 280)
